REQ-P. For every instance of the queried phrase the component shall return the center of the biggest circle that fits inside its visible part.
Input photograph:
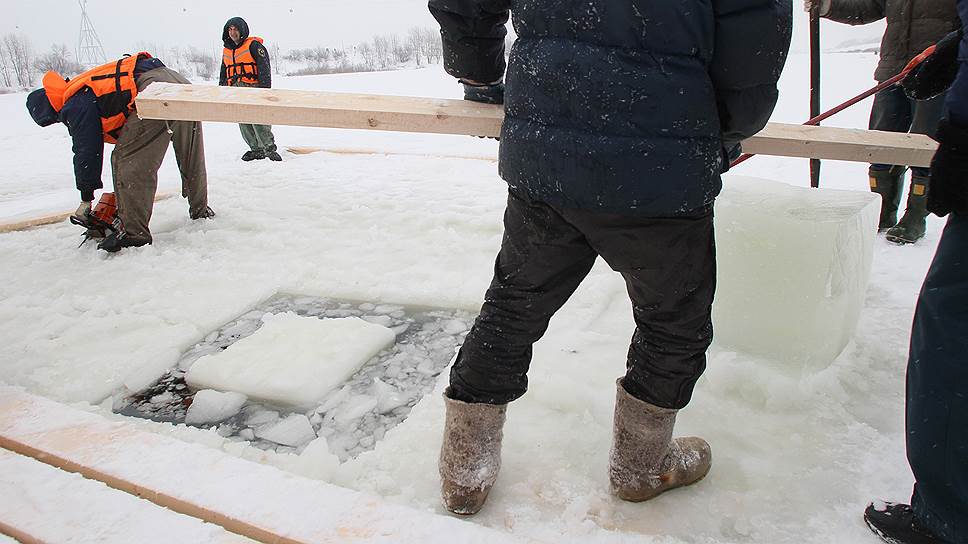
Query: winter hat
(40, 109)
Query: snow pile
(793, 268)
(210, 406)
(292, 360)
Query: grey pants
(138, 155)
(258, 137)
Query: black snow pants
(669, 266)
(937, 390)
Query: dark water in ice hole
(425, 344)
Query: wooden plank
(249, 499)
(50, 219)
(442, 116)
(57, 506)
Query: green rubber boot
(911, 227)
(888, 184)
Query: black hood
(238, 23)
(40, 109)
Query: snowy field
(415, 220)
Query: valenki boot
(470, 456)
(912, 225)
(645, 461)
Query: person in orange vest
(98, 107)
(245, 63)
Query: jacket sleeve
(80, 115)
(261, 57)
(856, 12)
(472, 32)
(751, 44)
(222, 77)
(957, 99)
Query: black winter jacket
(258, 51)
(622, 106)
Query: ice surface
(292, 360)
(793, 268)
(210, 406)
(294, 431)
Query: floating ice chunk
(256, 418)
(382, 320)
(386, 309)
(247, 434)
(211, 406)
(454, 326)
(357, 406)
(388, 397)
(793, 268)
(295, 430)
(292, 360)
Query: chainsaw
(100, 220)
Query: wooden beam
(51, 218)
(443, 116)
(250, 499)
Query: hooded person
(245, 63)
(98, 107)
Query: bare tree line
(21, 67)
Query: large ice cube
(291, 360)
(793, 268)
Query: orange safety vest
(114, 90)
(239, 63)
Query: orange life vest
(239, 63)
(114, 90)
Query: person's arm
(222, 78)
(752, 40)
(473, 32)
(261, 57)
(851, 12)
(80, 115)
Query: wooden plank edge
(175, 504)
(18, 535)
(50, 219)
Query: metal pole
(815, 83)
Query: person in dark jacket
(937, 374)
(911, 28)
(619, 119)
(97, 106)
(245, 63)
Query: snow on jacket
(622, 106)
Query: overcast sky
(289, 23)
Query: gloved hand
(949, 171)
(823, 6)
(731, 151)
(83, 210)
(933, 76)
(487, 93)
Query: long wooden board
(443, 116)
(249, 499)
(51, 218)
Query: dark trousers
(893, 111)
(937, 390)
(669, 266)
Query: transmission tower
(90, 52)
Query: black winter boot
(895, 524)
(888, 184)
(911, 227)
(253, 156)
(274, 156)
(118, 240)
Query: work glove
(936, 73)
(949, 171)
(823, 6)
(730, 151)
(487, 93)
(83, 210)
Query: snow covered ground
(415, 220)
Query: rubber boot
(888, 184)
(470, 456)
(911, 227)
(645, 461)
